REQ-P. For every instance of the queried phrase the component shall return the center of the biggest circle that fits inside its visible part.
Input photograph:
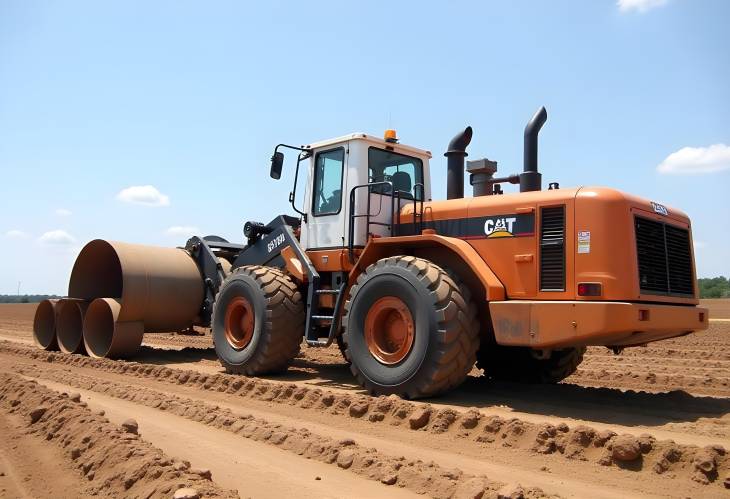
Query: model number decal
(275, 243)
(659, 208)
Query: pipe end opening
(97, 272)
(69, 326)
(44, 325)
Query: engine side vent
(552, 248)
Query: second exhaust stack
(530, 178)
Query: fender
(378, 248)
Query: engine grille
(552, 249)
(665, 258)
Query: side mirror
(277, 162)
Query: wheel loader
(414, 291)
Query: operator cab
(354, 185)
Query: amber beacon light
(390, 136)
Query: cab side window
(327, 194)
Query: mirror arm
(304, 153)
(292, 196)
(302, 149)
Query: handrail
(392, 225)
(353, 216)
(418, 229)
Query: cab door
(401, 174)
(326, 210)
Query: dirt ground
(651, 422)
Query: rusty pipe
(105, 335)
(226, 265)
(159, 287)
(69, 325)
(44, 325)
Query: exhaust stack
(455, 165)
(530, 178)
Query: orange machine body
(497, 241)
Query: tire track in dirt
(105, 459)
(472, 488)
(414, 475)
(557, 441)
(253, 468)
(568, 403)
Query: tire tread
(457, 325)
(281, 336)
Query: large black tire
(278, 321)
(446, 332)
(518, 364)
(343, 348)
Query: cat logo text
(499, 226)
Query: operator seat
(333, 203)
(402, 182)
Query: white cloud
(182, 230)
(693, 160)
(640, 6)
(143, 194)
(16, 234)
(57, 238)
(63, 212)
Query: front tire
(258, 321)
(408, 329)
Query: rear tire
(258, 321)
(428, 313)
(519, 365)
(343, 348)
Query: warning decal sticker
(584, 241)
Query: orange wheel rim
(389, 330)
(239, 323)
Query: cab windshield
(404, 172)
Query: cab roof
(397, 146)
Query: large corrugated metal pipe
(156, 289)
(44, 325)
(69, 325)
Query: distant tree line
(715, 287)
(25, 298)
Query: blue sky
(191, 97)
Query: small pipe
(105, 336)
(69, 325)
(455, 155)
(44, 325)
(530, 178)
